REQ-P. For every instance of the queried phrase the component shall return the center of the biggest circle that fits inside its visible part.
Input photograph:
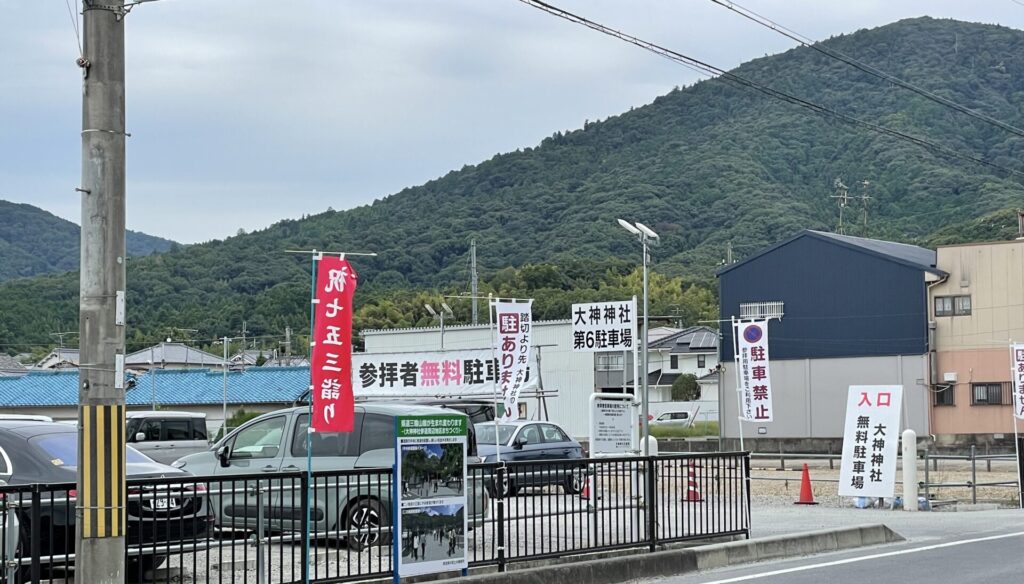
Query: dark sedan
(33, 452)
(523, 441)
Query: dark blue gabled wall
(839, 301)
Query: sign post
(429, 495)
(869, 441)
(1017, 376)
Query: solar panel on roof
(704, 340)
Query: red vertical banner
(331, 366)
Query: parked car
(528, 441)
(167, 436)
(34, 452)
(276, 442)
(674, 419)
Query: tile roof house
(59, 359)
(171, 356)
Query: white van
(167, 436)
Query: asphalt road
(965, 559)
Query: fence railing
(252, 527)
(929, 461)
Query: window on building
(773, 309)
(610, 362)
(952, 305)
(961, 305)
(944, 395)
(987, 394)
(673, 362)
(701, 361)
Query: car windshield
(62, 449)
(485, 433)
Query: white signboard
(612, 424)
(430, 494)
(1018, 381)
(604, 326)
(869, 441)
(514, 341)
(429, 374)
(753, 376)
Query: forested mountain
(34, 241)
(703, 165)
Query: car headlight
(178, 464)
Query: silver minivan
(276, 442)
(167, 436)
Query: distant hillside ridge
(706, 166)
(35, 242)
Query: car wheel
(573, 483)
(366, 515)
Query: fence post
(782, 458)
(306, 526)
(499, 526)
(260, 567)
(10, 538)
(746, 481)
(988, 460)
(927, 483)
(974, 476)
(650, 504)
(36, 533)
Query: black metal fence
(252, 528)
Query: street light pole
(445, 310)
(646, 236)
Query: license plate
(162, 504)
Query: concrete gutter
(641, 565)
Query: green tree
(686, 388)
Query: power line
(713, 71)
(870, 70)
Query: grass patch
(698, 429)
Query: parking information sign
(612, 425)
(429, 499)
(604, 326)
(869, 441)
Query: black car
(158, 511)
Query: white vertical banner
(514, 341)
(869, 441)
(755, 386)
(1018, 381)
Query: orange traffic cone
(806, 496)
(692, 494)
(585, 491)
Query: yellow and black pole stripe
(101, 451)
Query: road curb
(678, 561)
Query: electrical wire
(870, 70)
(74, 25)
(713, 71)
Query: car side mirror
(223, 455)
(519, 443)
(140, 437)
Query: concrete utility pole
(474, 283)
(100, 507)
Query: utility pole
(843, 199)
(288, 344)
(100, 507)
(243, 346)
(728, 253)
(473, 276)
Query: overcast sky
(244, 112)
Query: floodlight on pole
(647, 236)
(628, 227)
(445, 310)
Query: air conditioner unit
(949, 377)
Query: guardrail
(252, 527)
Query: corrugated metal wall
(839, 302)
(571, 374)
